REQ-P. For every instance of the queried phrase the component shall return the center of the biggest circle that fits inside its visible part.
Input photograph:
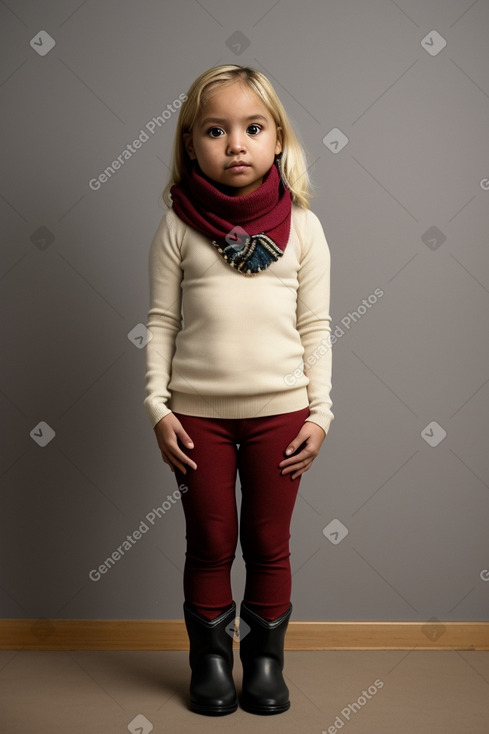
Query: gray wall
(404, 206)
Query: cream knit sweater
(226, 345)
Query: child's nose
(236, 142)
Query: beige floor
(103, 692)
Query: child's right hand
(168, 430)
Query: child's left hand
(309, 438)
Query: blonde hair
(292, 161)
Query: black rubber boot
(212, 689)
(262, 654)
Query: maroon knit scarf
(250, 231)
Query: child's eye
(211, 129)
(257, 127)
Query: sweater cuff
(156, 411)
(323, 421)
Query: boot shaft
(265, 638)
(209, 636)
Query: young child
(239, 370)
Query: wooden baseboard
(161, 634)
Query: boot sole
(264, 710)
(198, 708)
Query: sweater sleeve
(164, 316)
(314, 320)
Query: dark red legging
(267, 502)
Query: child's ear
(278, 145)
(189, 146)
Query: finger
(178, 466)
(292, 467)
(301, 471)
(304, 454)
(297, 474)
(167, 461)
(303, 465)
(171, 458)
(181, 460)
(295, 445)
(182, 436)
(185, 439)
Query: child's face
(235, 125)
